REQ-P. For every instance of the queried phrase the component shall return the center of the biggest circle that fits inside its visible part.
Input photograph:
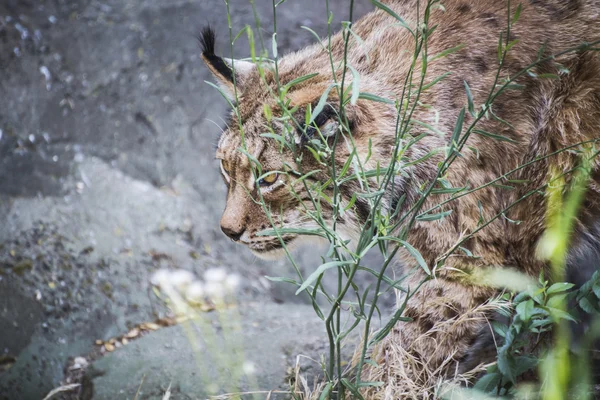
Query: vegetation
(530, 312)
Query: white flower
(249, 368)
(215, 275)
(214, 290)
(232, 282)
(165, 278)
(161, 278)
(181, 278)
(195, 292)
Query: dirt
(107, 174)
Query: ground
(107, 133)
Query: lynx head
(272, 195)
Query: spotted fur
(546, 115)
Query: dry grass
(302, 389)
(407, 376)
(61, 389)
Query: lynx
(544, 115)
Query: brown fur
(547, 115)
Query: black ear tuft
(207, 40)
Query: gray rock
(107, 173)
(267, 338)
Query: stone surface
(263, 339)
(107, 173)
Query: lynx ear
(224, 68)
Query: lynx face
(245, 216)
(260, 198)
(273, 196)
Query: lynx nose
(235, 235)
(234, 218)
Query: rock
(256, 338)
(107, 174)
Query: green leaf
(383, 332)
(560, 287)
(351, 202)
(517, 14)
(493, 136)
(518, 181)
(300, 80)
(252, 159)
(370, 195)
(421, 159)
(352, 388)
(514, 86)
(541, 323)
(506, 365)
(588, 305)
(559, 314)
(436, 80)
(414, 252)
(226, 97)
(497, 118)
(525, 310)
(369, 150)
(319, 271)
(274, 44)
(372, 97)
(275, 136)
(243, 30)
(385, 278)
(447, 190)
(428, 126)
(295, 231)
(433, 217)
(361, 44)
(499, 328)
(316, 35)
(468, 252)
(321, 103)
(470, 99)
(501, 186)
(541, 51)
(393, 14)
(557, 300)
(282, 279)
(326, 391)
(596, 288)
(371, 362)
(489, 382)
(525, 363)
(346, 166)
(355, 85)
(511, 44)
(548, 76)
(457, 130)
(446, 53)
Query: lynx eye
(269, 179)
(225, 171)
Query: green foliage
(588, 296)
(534, 314)
(535, 311)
